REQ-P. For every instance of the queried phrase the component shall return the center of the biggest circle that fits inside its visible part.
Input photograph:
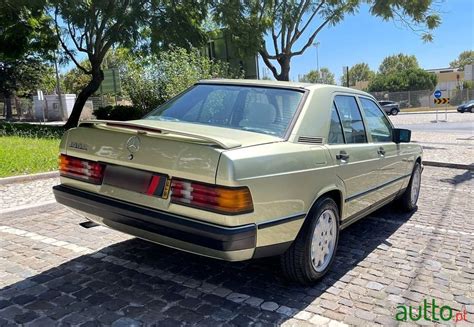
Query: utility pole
(345, 70)
(58, 89)
(316, 45)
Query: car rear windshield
(257, 109)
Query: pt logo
(133, 145)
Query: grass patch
(28, 149)
(22, 155)
(31, 130)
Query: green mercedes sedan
(242, 169)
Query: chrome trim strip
(358, 195)
(278, 221)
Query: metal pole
(347, 76)
(317, 56)
(58, 89)
(316, 45)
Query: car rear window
(257, 109)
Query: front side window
(351, 119)
(377, 124)
(256, 109)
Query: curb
(448, 165)
(28, 178)
(29, 209)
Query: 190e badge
(78, 146)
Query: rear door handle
(342, 155)
(381, 151)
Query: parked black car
(390, 107)
(467, 106)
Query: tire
(301, 262)
(394, 112)
(408, 200)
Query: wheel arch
(335, 194)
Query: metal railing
(425, 98)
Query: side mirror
(401, 135)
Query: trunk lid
(184, 150)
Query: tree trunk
(285, 69)
(8, 103)
(91, 87)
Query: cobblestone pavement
(423, 118)
(455, 148)
(54, 272)
(29, 193)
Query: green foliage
(118, 113)
(405, 80)
(323, 76)
(31, 131)
(21, 75)
(75, 79)
(178, 23)
(295, 24)
(464, 58)
(25, 29)
(358, 73)
(468, 85)
(397, 63)
(151, 80)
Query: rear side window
(351, 119)
(377, 124)
(335, 130)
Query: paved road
(53, 272)
(442, 127)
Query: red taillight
(226, 200)
(84, 170)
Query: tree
(396, 63)
(151, 80)
(323, 76)
(25, 30)
(464, 58)
(93, 27)
(289, 23)
(358, 73)
(25, 38)
(22, 75)
(405, 80)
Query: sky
(365, 38)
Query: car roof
(282, 84)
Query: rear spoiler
(157, 131)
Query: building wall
(448, 78)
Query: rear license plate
(135, 180)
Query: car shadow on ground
(140, 281)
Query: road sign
(441, 101)
(437, 94)
(111, 82)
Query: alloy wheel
(323, 240)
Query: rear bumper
(227, 243)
